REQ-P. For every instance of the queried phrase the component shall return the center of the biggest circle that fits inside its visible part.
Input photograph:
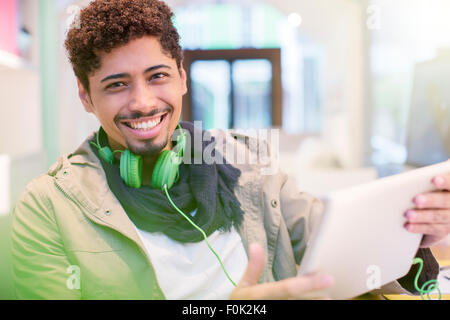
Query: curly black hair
(107, 24)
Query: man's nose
(143, 99)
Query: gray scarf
(205, 187)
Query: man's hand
(300, 287)
(431, 216)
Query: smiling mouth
(145, 124)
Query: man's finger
(439, 230)
(433, 200)
(428, 216)
(442, 182)
(255, 266)
(301, 287)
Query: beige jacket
(68, 226)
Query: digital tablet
(361, 240)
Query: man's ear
(84, 97)
(183, 79)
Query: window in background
(411, 34)
(211, 93)
(252, 93)
(252, 98)
(232, 93)
(311, 93)
(259, 26)
(428, 135)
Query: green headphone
(165, 172)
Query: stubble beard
(149, 148)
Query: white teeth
(145, 125)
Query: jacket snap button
(274, 203)
(108, 213)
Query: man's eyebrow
(159, 66)
(124, 75)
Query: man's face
(137, 96)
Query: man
(80, 232)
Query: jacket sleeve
(40, 267)
(301, 212)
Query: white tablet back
(361, 240)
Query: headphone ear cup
(165, 171)
(131, 169)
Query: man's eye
(158, 76)
(115, 85)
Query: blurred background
(358, 88)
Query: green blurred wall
(5, 275)
(49, 47)
(49, 59)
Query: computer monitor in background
(428, 139)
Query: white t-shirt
(191, 270)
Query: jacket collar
(89, 189)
